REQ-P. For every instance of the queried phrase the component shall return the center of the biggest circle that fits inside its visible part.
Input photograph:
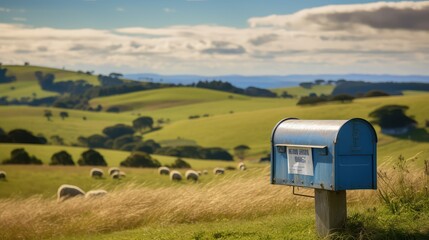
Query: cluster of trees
(20, 136)
(392, 116)
(89, 157)
(20, 156)
(3, 76)
(122, 137)
(309, 85)
(228, 87)
(313, 99)
(46, 82)
(196, 152)
(360, 88)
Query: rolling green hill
(298, 92)
(163, 98)
(26, 84)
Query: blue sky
(110, 14)
(211, 37)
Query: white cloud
(267, 46)
(380, 15)
(2, 9)
(169, 10)
(120, 9)
(19, 19)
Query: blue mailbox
(324, 154)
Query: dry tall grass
(133, 206)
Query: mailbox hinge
(299, 194)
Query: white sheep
(199, 173)
(163, 170)
(175, 176)
(242, 166)
(95, 193)
(115, 175)
(205, 172)
(218, 171)
(113, 170)
(96, 173)
(2, 175)
(68, 191)
(122, 174)
(191, 175)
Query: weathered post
(331, 156)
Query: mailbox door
(355, 161)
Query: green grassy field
(26, 84)
(298, 92)
(237, 205)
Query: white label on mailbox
(300, 161)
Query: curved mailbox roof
(310, 132)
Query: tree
(125, 139)
(92, 158)
(24, 136)
(140, 159)
(376, 93)
(319, 81)
(240, 151)
(3, 76)
(47, 114)
(20, 156)
(143, 123)
(392, 116)
(61, 158)
(180, 163)
(343, 98)
(118, 130)
(285, 94)
(93, 141)
(64, 115)
(57, 140)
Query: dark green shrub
(20, 156)
(92, 158)
(140, 159)
(118, 130)
(61, 158)
(180, 163)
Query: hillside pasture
(26, 82)
(298, 92)
(28, 180)
(163, 98)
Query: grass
(228, 208)
(26, 83)
(253, 128)
(163, 98)
(21, 178)
(298, 92)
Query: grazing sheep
(96, 173)
(218, 171)
(242, 166)
(68, 191)
(164, 171)
(205, 172)
(175, 176)
(116, 175)
(113, 170)
(2, 175)
(199, 173)
(95, 193)
(122, 174)
(191, 175)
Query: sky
(218, 37)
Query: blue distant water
(274, 81)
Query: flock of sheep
(66, 191)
